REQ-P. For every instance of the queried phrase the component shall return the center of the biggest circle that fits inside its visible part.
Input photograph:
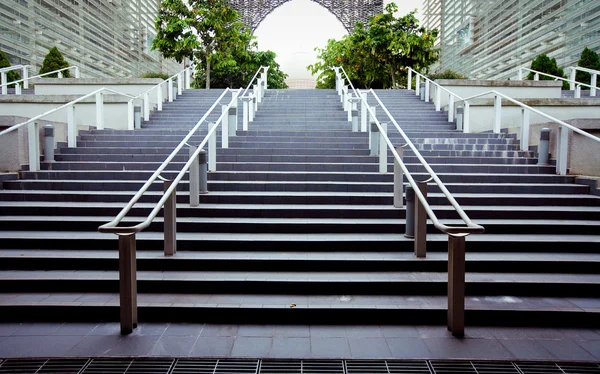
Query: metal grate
(231, 366)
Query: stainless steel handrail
(112, 226)
(252, 80)
(556, 78)
(472, 228)
(43, 75)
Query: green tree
(207, 31)
(545, 64)
(53, 61)
(588, 59)
(12, 75)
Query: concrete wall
(515, 89)
(28, 106)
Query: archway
(348, 12)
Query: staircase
(299, 226)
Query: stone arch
(348, 12)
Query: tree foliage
(12, 75)
(375, 54)
(588, 59)
(446, 74)
(545, 64)
(53, 61)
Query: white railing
(3, 76)
(456, 234)
(33, 128)
(126, 234)
(183, 82)
(250, 102)
(594, 78)
(576, 86)
(26, 78)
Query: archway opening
(292, 31)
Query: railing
(183, 79)
(3, 76)
(33, 128)
(576, 86)
(25, 80)
(251, 101)
(594, 77)
(456, 234)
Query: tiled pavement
(296, 341)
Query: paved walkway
(302, 341)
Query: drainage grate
(230, 366)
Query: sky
(294, 29)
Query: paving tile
(17, 346)
(178, 346)
(447, 348)
(327, 331)
(369, 348)
(526, 349)
(212, 347)
(69, 328)
(434, 331)
(330, 348)
(256, 330)
(95, 345)
(251, 347)
(134, 345)
(184, 329)
(107, 328)
(219, 330)
(364, 332)
(566, 349)
(399, 331)
(408, 347)
(7, 329)
(290, 348)
(591, 346)
(53, 346)
(291, 331)
(38, 329)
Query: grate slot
(281, 367)
(235, 366)
(150, 366)
(365, 367)
(323, 367)
(538, 368)
(21, 366)
(108, 366)
(584, 368)
(494, 367)
(184, 366)
(408, 367)
(65, 366)
(454, 367)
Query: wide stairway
(299, 227)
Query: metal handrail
(572, 81)
(472, 228)
(252, 80)
(12, 67)
(43, 75)
(163, 82)
(440, 88)
(112, 226)
(13, 128)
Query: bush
(152, 74)
(53, 61)
(589, 59)
(12, 75)
(545, 64)
(447, 74)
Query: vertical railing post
(456, 285)
(398, 179)
(48, 143)
(25, 76)
(593, 84)
(572, 82)
(536, 77)
(450, 108)
(33, 143)
(159, 97)
(203, 176)
(71, 127)
(466, 118)
(374, 139)
(460, 118)
(188, 78)
(127, 283)
(130, 115)
(233, 118)
(212, 148)
(363, 112)
(345, 98)
(180, 83)
(408, 85)
(251, 108)
(563, 150)
(383, 149)
(194, 174)
(497, 113)
(578, 91)
(170, 218)
(524, 129)
(225, 127)
(544, 147)
(146, 106)
(60, 74)
(259, 91)
(170, 89)
(438, 99)
(77, 72)
(18, 89)
(3, 81)
(100, 111)
(418, 85)
(245, 104)
(427, 88)
(137, 117)
(420, 223)
(349, 105)
(520, 74)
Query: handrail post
(450, 108)
(180, 83)
(544, 146)
(3, 80)
(466, 120)
(251, 108)
(563, 150)
(212, 149)
(232, 122)
(127, 283)
(159, 98)
(146, 106)
(578, 91)
(520, 74)
(409, 84)
(398, 179)
(420, 223)
(345, 98)
(349, 105)
(25, 76)
(130, 115)
(18, 89)
(263, 77)
(536, 77)
(573, 76)
(438, 99)
(363, 111)
(170, 89)
(60, 74)
(71, 127)
(170, 218)
(383, 149)
(188, 78)
(593, 83)
(77, 72)
(456, 285)
(374, 139)
(194, 173)
(33, 141)
(354, 120)
(259, 85)
(497, 113)
(245, 103)
(427, 90)
(524, 129)
(460, 118)
(418, 85)
(225, 127)
(100, 111)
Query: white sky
(294, 29)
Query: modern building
(490, 39)
(105, 38)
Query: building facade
(105, 38)
(491, 39)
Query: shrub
(446, 74)
(53, 61)
(12, 75)
(589, 59)
(152, 74)
(545, 64)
